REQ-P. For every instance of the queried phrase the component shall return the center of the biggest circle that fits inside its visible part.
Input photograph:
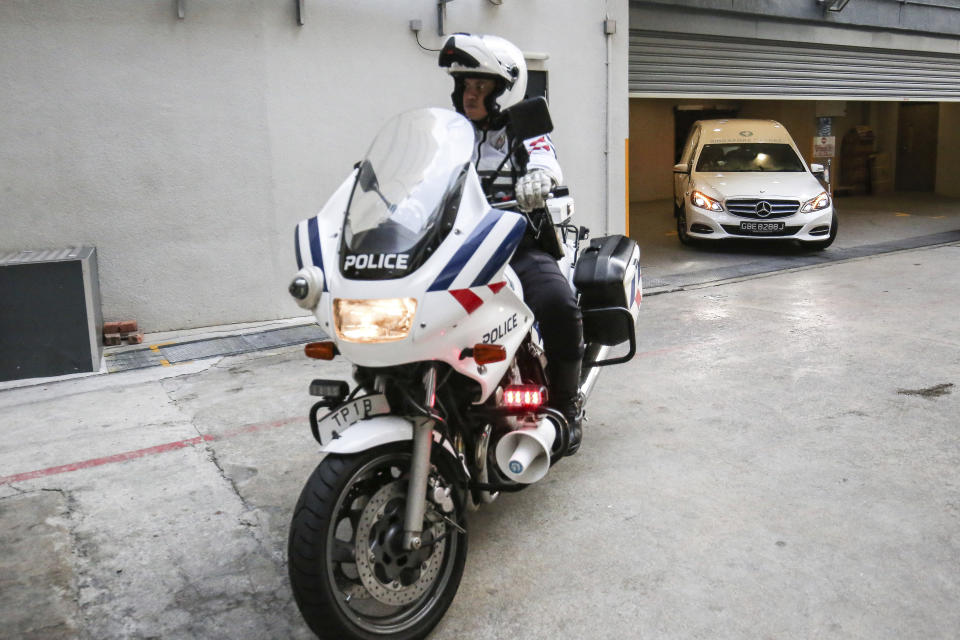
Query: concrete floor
(781, 460)
(868, 224)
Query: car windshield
(402, 182)
(753, 156)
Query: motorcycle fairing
(461, 289)
(456, 273)
(309, 248)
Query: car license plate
(334, 423)
(761, 227)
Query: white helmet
(467, 56)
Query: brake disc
(381, 569)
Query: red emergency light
(524, 396)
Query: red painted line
(189, 442)
(658, 352)
(253, 428)
(142, 453)
(98, 462)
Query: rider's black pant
(554, 305)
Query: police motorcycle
(406, 269)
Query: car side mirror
(681, 167)
(819, 172)
(529, 118)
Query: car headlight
(378, 320)
(822, 201)
(705, 202)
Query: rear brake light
(524, 396)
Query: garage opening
(885, 124)
(897, 159)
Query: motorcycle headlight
(378, 320)
(705, 202)
(822, 201)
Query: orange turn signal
(320, 350)
(487, 353)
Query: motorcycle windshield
(406, 193)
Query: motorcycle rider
(489, 75)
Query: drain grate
(138, 359)
(212, 347)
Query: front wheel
(351, 576)
(681, 215)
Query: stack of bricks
(116, 332)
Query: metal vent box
(50, 316)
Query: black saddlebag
(607, 276)
(607, 273)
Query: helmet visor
(451, 54)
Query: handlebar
(559, 192)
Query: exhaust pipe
(524, 455)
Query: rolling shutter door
(679, 64)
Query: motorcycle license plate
(761, 227)
(350, 413)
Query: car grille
(747, 208)
(735, 230)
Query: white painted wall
(186, 150)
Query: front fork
(420, 467)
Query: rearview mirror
(816, 168)
(367, 178)
(529, 118)
(681, 167)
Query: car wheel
(820, 245)
(681, 216)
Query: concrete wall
(948, 150)
(186, 150)
(651, 149)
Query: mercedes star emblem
(764, 209)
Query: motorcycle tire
(353, 504)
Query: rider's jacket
(492, 146)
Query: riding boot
(565, 398)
